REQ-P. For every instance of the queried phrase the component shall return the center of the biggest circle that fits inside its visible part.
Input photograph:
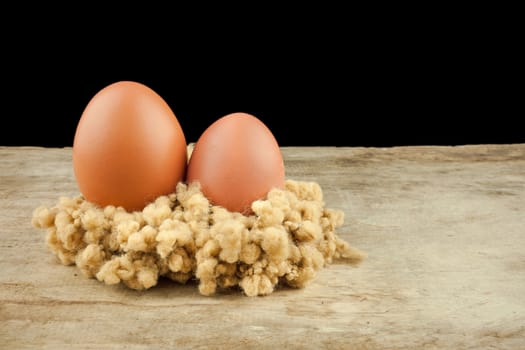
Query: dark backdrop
(396, 86)
(301, 106)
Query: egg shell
(129, 147)
(236, 160)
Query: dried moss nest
(289, 237)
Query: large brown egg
(236, 161)
(129, 147)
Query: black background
(320, 84)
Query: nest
(287, 239)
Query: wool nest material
(287, 239)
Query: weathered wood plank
(444, 228)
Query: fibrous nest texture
(287, 239)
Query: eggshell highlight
(236, 160)
(129, 147)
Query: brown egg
(237, 161)
(129, 147)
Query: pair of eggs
(129, 149)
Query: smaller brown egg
(237, 160)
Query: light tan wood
(444, 228)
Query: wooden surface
(444, 228)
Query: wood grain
(444, 228)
